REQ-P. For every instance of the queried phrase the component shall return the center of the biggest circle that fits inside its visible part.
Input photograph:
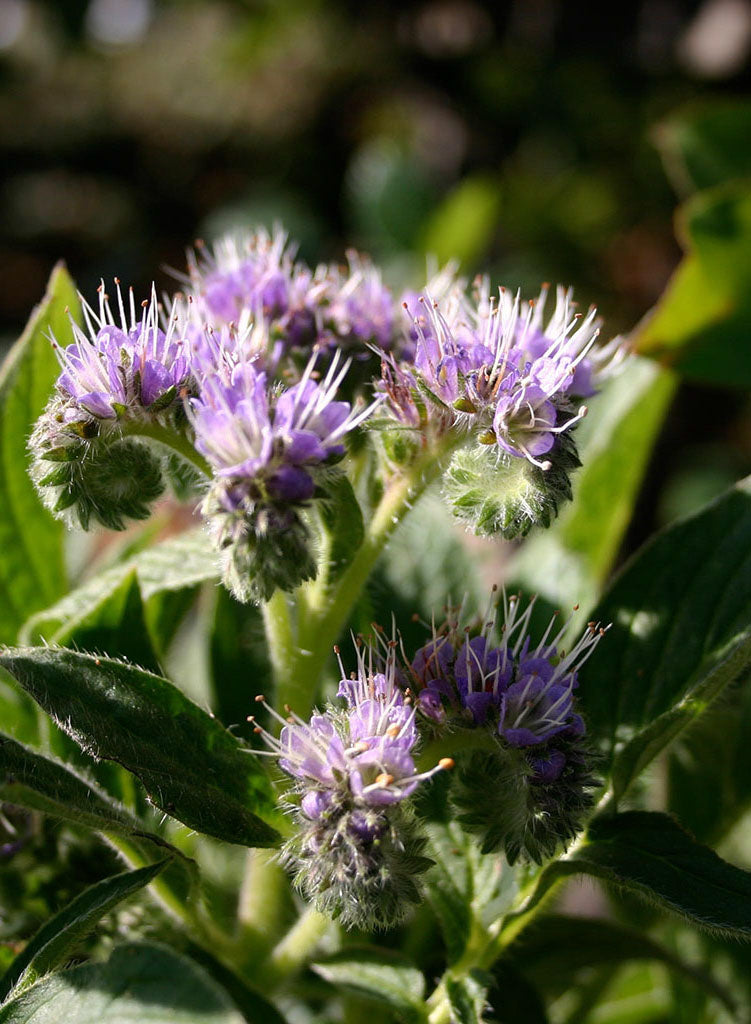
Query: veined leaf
(649, 854)
(380, 975)
(140, 982)
(192, 768)
(665, 660)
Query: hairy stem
(263, 896)
(296, 948)
(171, 439)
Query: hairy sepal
(495, 493)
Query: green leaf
(568, 563)
(343, 530)
(553, 950)
(706, 144)
(58, 937)
(665, 660)
(380, 975)
(175, 565)
(463, 225)
(709, 769)
(31, 780)
(467, 997)
(189, 764)
(702, 323)
(139, 983)
(649, 854)
(116, 626)
(239, 658)
(32, 570)
(514, 999)
(465, 887)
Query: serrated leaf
(665, 660)
(174, 565)
(380, 975)
(59, 936)
(139, 983)
(649, 854)
(568, 563)
(32, 571)
(192, 768)
(556, 947)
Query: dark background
(517, 136)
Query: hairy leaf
(189, 764)
(139, 983)
(381, 975)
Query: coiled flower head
(357, 847)
(270, 450)
(522, 695)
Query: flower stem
(296, 948)
(328, 608)
(262, 899)
(171, 439)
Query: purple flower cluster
(361, 756)
(128, 363)
(524, 692)
(256, 436)
(256, 273)
(501, 373)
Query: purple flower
(362, 756)
(501, 373)
(527, 693)
(360, 308)
(272, 440)
(127, 365)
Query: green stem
(296, 948)
(261, 903)
(282, 645)
(327, 608)
(171, 439)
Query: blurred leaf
(251, 1004)
(665, 660)
(705, 145)
(189, 764)
(464, 224)
(54, 943)
(649, 854)
(568, 563)
(140, 982)
(513, 998)
(32, 570)
(343, 530)
(702, 324)
(556, 947)
(176, 564)
(378, 974)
